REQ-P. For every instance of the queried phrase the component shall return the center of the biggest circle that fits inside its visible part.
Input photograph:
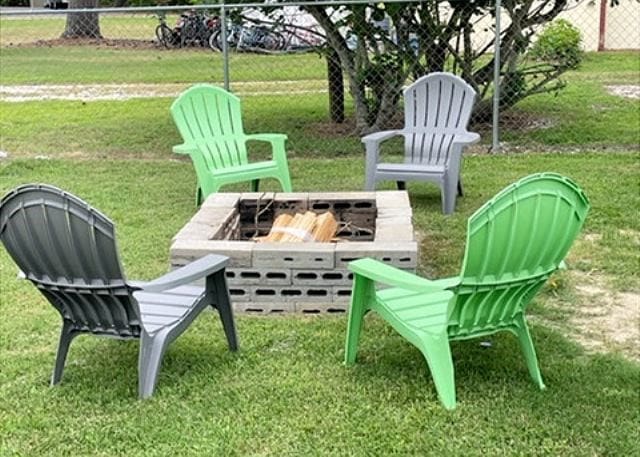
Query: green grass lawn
(144, 128)
(122, 65)
(584, 113)
(583, 116)
(24, 29)
(280, 94)
(286, 391)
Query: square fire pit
(307, 277)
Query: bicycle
(166, 36)
(255, 38)
(192, 28)
(301, 39)
(197, 28)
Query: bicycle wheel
(215, 41)
(164, 35)
(273, 41)
(189, 32)
(186, 36)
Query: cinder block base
(321, 308)
(308, 278)
(263, 308)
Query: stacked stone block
(297, 277)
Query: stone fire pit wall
(297, 277)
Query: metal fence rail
(322, 72)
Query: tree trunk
(336, 88)
(482, 111)
(82, 25)
(338, 44)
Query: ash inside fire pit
(309, 277)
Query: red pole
(602, 32)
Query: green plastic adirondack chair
(514, 243)
(210, 122)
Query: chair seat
(410, 168)
(247, 169)
(165, 309)
(423, 312)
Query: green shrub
(559, 44)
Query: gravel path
(92, 92)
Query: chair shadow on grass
(494, 373)
(104, 368)
(102, 371)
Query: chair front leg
(449, 192)
(217, 287)
(363, 291)
(372, 149)
(152, 348)
(528, 350)
(280, 157)
(67, 334)
(451, 183)
(437, 351)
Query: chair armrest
(195, 270)
(386, 274)
(185, 149)
(379, 137)
(269, 137)
(372, 153)
(466, 138)
(277, 144)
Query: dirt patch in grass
(94, 92)
(602, 319)
(626, 91)
(88, 92)
(520, 121)
(104, 42)
(333, 129)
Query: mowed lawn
(280, 93)
(286, 392)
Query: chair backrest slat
(211, 118)
(437, 106)
(514, 243)
(68, 250)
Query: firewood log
(302, 227)
(325, 228)
(282, 220)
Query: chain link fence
(325, 73)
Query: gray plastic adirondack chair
(437, 108)
(67, 249)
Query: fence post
(602, 26)
(495, 144)
(225, 47)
